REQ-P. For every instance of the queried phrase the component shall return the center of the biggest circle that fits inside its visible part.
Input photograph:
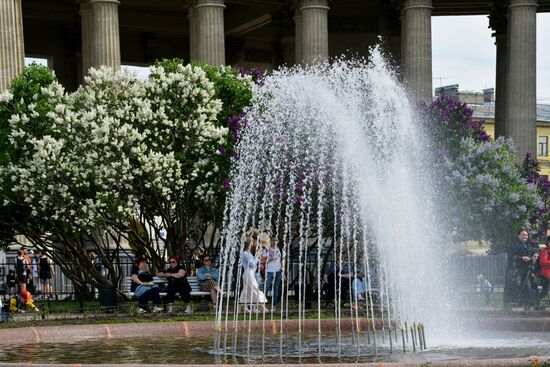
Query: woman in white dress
(251, 293)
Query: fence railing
(465, 269)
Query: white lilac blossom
(114, 140)
(6, 96)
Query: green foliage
(26, 98)
(169, 65)
(234, 91)
(23, 115)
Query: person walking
(272, 257)
(251, 293)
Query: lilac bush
(448, 121)
(488, 194)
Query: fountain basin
(191, 343)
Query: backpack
(19, 266)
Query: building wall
(543, 130)
(471, 97)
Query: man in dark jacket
(519, 260)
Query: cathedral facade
(74, 35)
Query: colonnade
(515, 37)
(12, 50)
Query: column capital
(523, 4)
(209, 3)
(116, 2)
(85, 8)
(416, 4)
(312, 4)
(84, 4)
(498, 20)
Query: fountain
(333, 162)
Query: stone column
(417, 47)
(521, 83)
(105, 33)
(499, 23)
(403, 20)
(501, 42)
(87, 24)
(211, 34)
(12, 49)
(298, 37)
(314, 31)
(193, 32)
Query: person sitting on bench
(208, 277)
(144, 287)
(177, 283)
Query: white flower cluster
(185, 119)
(6, 96)
(114, 142)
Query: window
(543, 146)
(38, 60)
(141, 71)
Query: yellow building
(486, 112)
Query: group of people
(145, 288)
(528, 271)
(33, 272)
(261, 261)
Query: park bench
(163, 283)
(195, 290)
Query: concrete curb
(48, 334)
(504, 362)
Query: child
(484, 287)
(23, 302)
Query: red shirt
(544, 261)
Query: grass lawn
(91, 312)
